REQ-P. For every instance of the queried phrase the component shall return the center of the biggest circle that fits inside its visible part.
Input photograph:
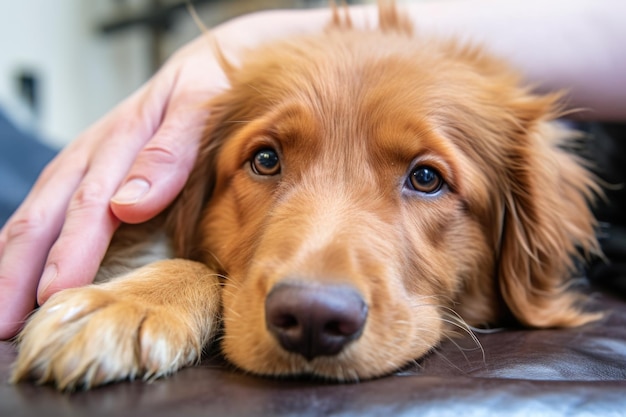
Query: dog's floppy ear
(183, 219)
(185, 214)
(546, 222)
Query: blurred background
(65, 63)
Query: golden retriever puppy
(354, 191)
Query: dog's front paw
(91, 336)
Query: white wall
(82, 73)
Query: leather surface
(578, 371)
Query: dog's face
(364, 188)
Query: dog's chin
(342, 368)
(368, 357)
(396, 333)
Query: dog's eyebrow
(277, 122)
(413, 141)
(403, 142)
(288, 122)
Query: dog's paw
(90, 336)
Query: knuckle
(30, 223)
(123, 125)
(88, 196)
(160, 153)
(134, 121)
(9, 284)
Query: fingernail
(48, 276)
(132, 191)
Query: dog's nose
(314, 320)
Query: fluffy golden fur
(353, 118)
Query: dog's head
(360, 189)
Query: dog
(357, 195)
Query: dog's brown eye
(266, 162)
(426, 180)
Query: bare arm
(576, 45)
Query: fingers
(26, 238)
(17, 296)
(89, 224)
(59, 235)
(65, 223)
(163, 165)
(74, 258)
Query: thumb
(160, 169)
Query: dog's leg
(148, 323)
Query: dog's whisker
(438, 297)
(459, 323)
(215, 261)
(230, 311)
(230, 285)
(459, 347)
(451, 317)
(447, 360)
(486, 330)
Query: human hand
(142, 152)
(127, 167)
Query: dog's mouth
(320, 331)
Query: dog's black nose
(314, 320)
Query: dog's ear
(184, 218)
(546, 220)
(185, 214)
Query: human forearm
(573, 45)
(576, 45)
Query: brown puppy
(355, 192)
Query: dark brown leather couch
(523, 372)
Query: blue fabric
(22, 157)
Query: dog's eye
(426, 180)
(266, 162)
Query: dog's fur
(351, 115)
